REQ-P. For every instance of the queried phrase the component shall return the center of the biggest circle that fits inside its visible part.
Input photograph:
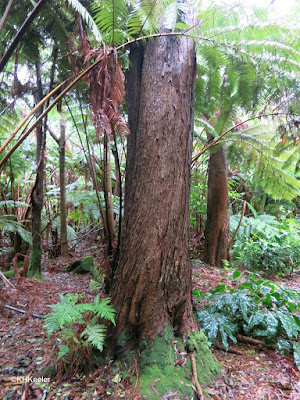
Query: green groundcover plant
(79, 328)
(259, 308)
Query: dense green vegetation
(63, 132)
(258, 308)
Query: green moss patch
(80, 266)
(158, 372)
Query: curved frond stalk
(15, 132)
(61, 95)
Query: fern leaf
(104, 310)
(95, 335)
(51, 323)
(111, 18)
(63, 350)
(86, 16)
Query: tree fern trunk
(217, 235)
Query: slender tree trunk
(37, 194)
(153, 280)
(217, 236)
(64, 248)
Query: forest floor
(249, 372)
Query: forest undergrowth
(251, 370)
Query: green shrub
(258, 308)
(80, 328)
(264, 244)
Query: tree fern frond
(206, 125)
(272, 46)
(86, 16)
(141, 19)
(111, 18)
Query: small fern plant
(81, 329)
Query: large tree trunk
(217, 236)
(153, 281)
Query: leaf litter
(249, 371)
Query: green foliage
(197, 200)
(256, 150)
(257, 307)
(99, 275)
(265, 244)
(79, 326)
(7, 224)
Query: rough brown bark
(217, 236)
(153, 280)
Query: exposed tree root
(256, 342)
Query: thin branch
(21, 32)
(32, 112)
(53, 134)
(4, 17)
(197, 384)
(6, 281)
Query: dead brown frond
(107, 90)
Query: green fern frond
(272, 46)
(141, 20)
(94, 285)
(111, 18)
(104, 310)
(66, 311)
(51, 323)
(63, 350)
(86, 16)
(94, 335)
(8, 225)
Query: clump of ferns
(80, 330)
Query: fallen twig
(152, 385)
(24, 394)
(50, 395)
(6, 281)
(23, 312)
(197, 384)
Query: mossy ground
(81, 266)
(157, 369)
